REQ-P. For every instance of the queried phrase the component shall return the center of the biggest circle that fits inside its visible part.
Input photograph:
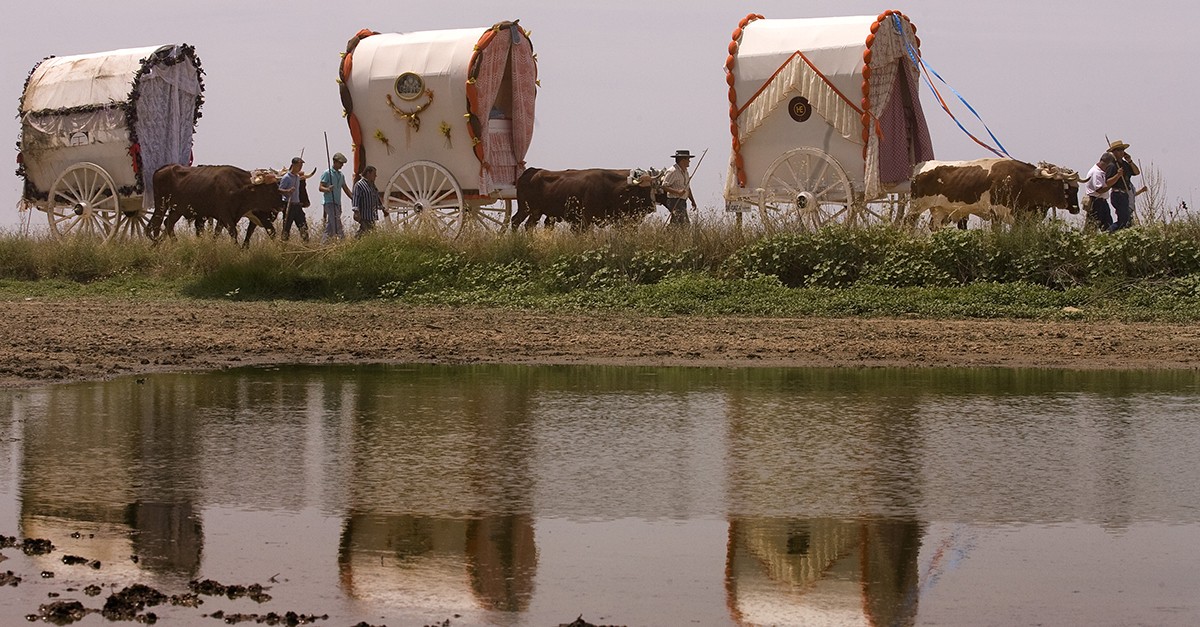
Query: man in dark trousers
(677, 183)
(292, 186)
(1122, 191)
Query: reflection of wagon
(825, 116)
(446, 117)
(95, 127)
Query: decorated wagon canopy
(462, 98)
(847, 85)
(128, 111)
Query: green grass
(1041, 271)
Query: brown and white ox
(223, 193)
(584, 198)
(1000, 190)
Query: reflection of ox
(584, 197)
(224, 193)
(993, 189)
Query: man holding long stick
(333, 183)
(1123, 191)
(678, 185)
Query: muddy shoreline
(49, 340)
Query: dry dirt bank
(53, 340)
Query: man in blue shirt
(333, 183)
(289, 186)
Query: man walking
(289, 186)
(678, 185)
(1122, 190)
(333, 183)
(367, 201)
(1098, 188)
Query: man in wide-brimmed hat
(333, 183)
(1122, 191)
(677, 183)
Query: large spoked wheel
(83, 201)
(806, 188)
(423, 196)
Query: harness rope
(927, 70)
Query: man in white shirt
(677, 183)
(1098, 188)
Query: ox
(224, 193)
(993, 189)
(585, 197)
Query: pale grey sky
(626, 83)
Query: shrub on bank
(1033, 270)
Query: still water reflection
(530, 495)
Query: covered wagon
(826, 118)
(446, 117)
(95, 127)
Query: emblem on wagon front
(409, 86)
(799, 109)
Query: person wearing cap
(1122, 192)
(677, 183)
(289, 186)
(332, 184)
(1098, 188)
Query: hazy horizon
(625, 84)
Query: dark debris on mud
(60, 613)
(130, 603)
(208, 587)
(28, 546)
(270, 618)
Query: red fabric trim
(135, 152)
(473, 114)
(730, 61)
(344, 69)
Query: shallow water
(494, 495)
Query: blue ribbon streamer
(917, 60)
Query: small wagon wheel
(806, 188)
(422, 195)
(887, 209)
(83, 201)
(490, 219)
(131, 221)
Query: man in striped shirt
(367, 201)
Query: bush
(1149, 272)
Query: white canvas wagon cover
(462, 98)
(858, 77)
(129, 111)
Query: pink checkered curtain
(905, 140)
(494, 60)
(524, 81)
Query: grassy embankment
(1044, 271)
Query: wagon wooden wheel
(806, 188)
(132, 220)
(422, 195)
(487, 219)
(83, 201)
(887, 209)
